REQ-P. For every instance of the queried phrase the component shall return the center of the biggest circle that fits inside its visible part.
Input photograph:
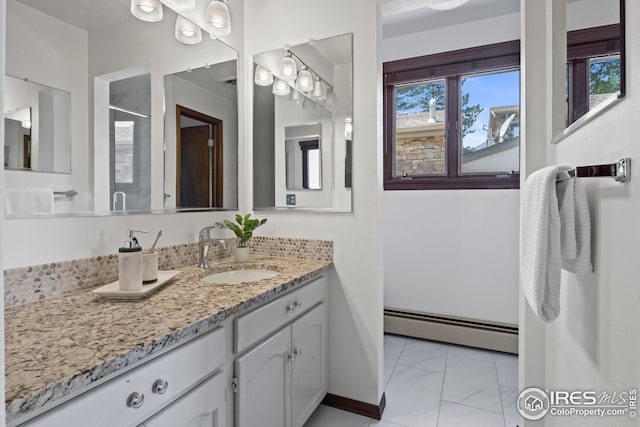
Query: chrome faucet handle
(204, 233)
(219, 225)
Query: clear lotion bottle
(130, 264)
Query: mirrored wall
(302, 121)
(119, 83)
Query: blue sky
(491, 90)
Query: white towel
(540, 250)
(576, 226)
(28, 200)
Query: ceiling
(402, 17)
(89, 15)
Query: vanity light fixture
(262, 76)
(304, 82)
(445, 4)
(147, 10)
(187, 32)
(218, 18)
(281, 88)
(288, 69)
(181, 5)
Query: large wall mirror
(302, 107)
(595, 59)
(131, 103)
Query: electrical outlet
(291, 199)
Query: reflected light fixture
(218, 18)
(26, 124)
(304, 82)
(147, 10)
(281, 88)
(319, 90)
(445, 4)
(187, 32)
(262, 76)
(308, 104)
(348, 129)
(181, 5)
(288, 70)
(332, 99)
(295, 97)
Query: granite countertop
(58, 346)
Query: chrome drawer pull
(135, 400)
(159, 386)
(297, 304)
(298, 353)
(290, 308)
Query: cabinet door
(204, 406)
(264, 384)
(309, 377)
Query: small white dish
(112, 290)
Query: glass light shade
(308, 104)
(319, 90)
(304, 82)
(187, 32)
(147, 10)
(281, 88)
(295, 96)
(288, 70)
(445, 4)
(181, 5)
(332, 99)
(218, 18)
(262, 76)
(26, 124)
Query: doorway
(199, 158)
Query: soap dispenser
(130, 263)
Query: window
(124, 131)
(593, 68)
(452, 120)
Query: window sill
(511, 182)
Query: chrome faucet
(205, 240)
(124, 200)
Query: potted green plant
(243, 229)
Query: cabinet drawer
(106, 405)
(266, 319)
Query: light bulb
(281, 88)
(147, 10)
(218, 18)
(288, 68)
(304, 82)
(262, 76)
(187, 32)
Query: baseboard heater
(455, 330)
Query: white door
(204, 406)
(264, 384)
(309, 366)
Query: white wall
(592, 344)
(355, 291)
(2, 71)
(181, 92)
(52, 53)
(452, 252)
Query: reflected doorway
(199, 170)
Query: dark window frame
(450, 66)
(583, 45)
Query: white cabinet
(282, 380)
(204, 406)
(141, 392)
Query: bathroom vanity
(226, 355)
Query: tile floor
(431, 384)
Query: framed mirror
(112, 66)
(595, 59)
(302, 121)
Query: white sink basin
(234, 277)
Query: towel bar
(620, 171)
(68, 193)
